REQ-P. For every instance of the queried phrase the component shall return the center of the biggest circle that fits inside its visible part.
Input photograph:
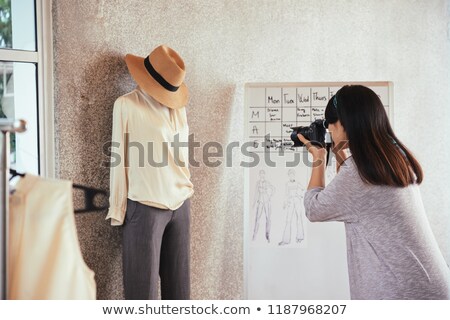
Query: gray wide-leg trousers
(156, 243)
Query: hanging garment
(147, 166)
(44, 256)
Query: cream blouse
(44, 255)
(145, 164)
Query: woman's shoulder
(350, 173)
(348, 176)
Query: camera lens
(294, 137)
(314, 133)
(304, 131)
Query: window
(26, 82)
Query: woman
(391, 250)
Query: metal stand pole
(4, 159)
(6, 126)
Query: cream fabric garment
(151, 128)
(44, 256)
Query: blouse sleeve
(338, 201)
(118, 176)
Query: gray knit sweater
(391, 250)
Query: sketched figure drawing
(294, 208)
(264, 192)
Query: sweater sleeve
(118, 175)
(338, 200)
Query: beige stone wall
(226, 43)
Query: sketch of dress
(264, 191)
(294, 208)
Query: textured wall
(226, 43)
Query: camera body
(316, 133)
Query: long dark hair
(379, 155)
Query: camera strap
(328, 147)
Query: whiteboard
(285, 255)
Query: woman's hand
(317, 152)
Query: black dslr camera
(316, 133)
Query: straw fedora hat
(161, 75)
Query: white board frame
(390, 112)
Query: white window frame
(43, 57)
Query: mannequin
(150, 182)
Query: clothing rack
(6, 127)
(90, 194)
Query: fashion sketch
(293, 205)
(264, 192)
